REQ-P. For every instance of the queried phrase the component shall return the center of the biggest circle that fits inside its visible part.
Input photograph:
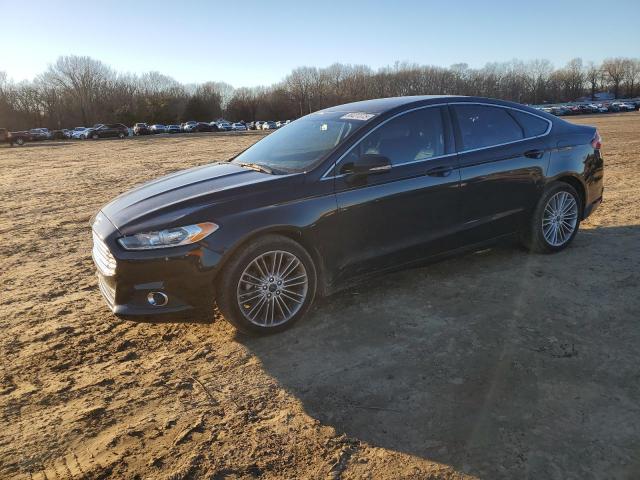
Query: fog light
(157, 299)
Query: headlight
(171, 237)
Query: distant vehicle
(39, 134)
(157, 128)
(224, 126)
(141, 129)
(282, 123)
(108, 131)
(625, 107)
(14, 138)
(189, 126)
(58, 134)
(239, 127)
(257, 125)
(203, 127)
(77, 133)
(269, 125)
(173, 129)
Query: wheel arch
(295, 234)
(576, 183)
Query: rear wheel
(267, 286)
(95, 136)
(121, 135)
(19, 141)
(555, 220)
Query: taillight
(597, 141)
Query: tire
(95, 136)
(558, 230)
(121, 135)
(19, 142)
(262, 315)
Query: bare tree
(615, 70)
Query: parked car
(269, 125)
(157, 128)
(203, 127)
(173, 129)
(14, 138)
(141, 129)
(39, 134)
(257, 125)
(58, 134)
(224, 126)
(625, 107)
(239, 127)
(109, 130)
(77, 133)
(372, 186)
(189, 126)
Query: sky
(248, 43)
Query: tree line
(76, 91)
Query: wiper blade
(259, 167)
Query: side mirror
(367, 164)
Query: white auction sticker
(358, 116)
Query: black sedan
(109, 130)
(340, 195)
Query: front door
(390, 217)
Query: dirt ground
(498, 364)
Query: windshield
(300, 145)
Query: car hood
(174, 198)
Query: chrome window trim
(549, 127)
(325, 177)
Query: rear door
(503, 158)
(407, 212)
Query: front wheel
(95, 136)
(267, 286)
(19, 142)
(555, 220)
(121, 135)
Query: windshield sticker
(358, 116)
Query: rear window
(533, 126)
(484, 126)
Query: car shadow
(499, 363)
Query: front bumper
(185, 275)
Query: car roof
(382, 105)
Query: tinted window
(410, 137)
(483, 126)
(533, 126)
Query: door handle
(534, 154)
(443, 171)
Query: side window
(532, 125)
(414, 136)
(483, 126)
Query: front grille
(108, 292)
(102, 257)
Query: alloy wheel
(560, 218)
(272, 288)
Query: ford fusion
(342, 194)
